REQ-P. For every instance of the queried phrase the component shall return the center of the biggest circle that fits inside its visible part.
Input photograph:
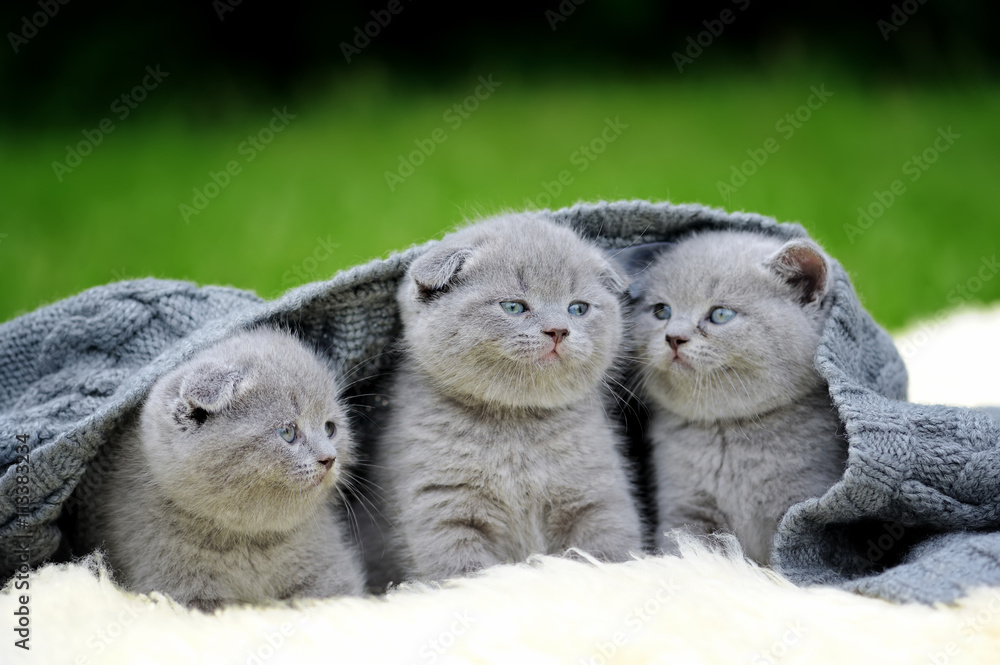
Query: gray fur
(209, 504)
(495, 449)
(742, 424)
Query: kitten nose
(557, 334)
(327, 462)
(675, 341)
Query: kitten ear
(802, 264)
(210, 387)
(633, 262)
(613, 279)
(435, 269)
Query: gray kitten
(726, 327)
(498, 446)
(222, 491)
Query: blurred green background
(315, 199)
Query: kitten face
(727, 324)
(515, 312)
(250, 433)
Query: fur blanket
(706, 607)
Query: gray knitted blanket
(916, 516)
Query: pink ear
(802, 264)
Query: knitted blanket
(915, 517)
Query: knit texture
(915, 518)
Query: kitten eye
(721, 315)
(578, 308)
(287, 433)
(331, 429)
(661, 311)
(513, 307)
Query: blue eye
(721, 315)
(578, 308)
(287, 433)
(330, 428)
(513, 307)
(661, 311)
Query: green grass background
(116, 215)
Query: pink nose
(327, 462)
(675, 342)
(557, 334)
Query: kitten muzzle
(557, 335)
(324, 468)
(680, 361)
(549, 357)
(675, 342)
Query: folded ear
(210, 387)
(613, 278)
(633, 262)
(435, 269)
(803, 265)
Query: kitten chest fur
(523, 476)
(742, 475)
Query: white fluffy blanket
(954, 358)
(705, 607)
